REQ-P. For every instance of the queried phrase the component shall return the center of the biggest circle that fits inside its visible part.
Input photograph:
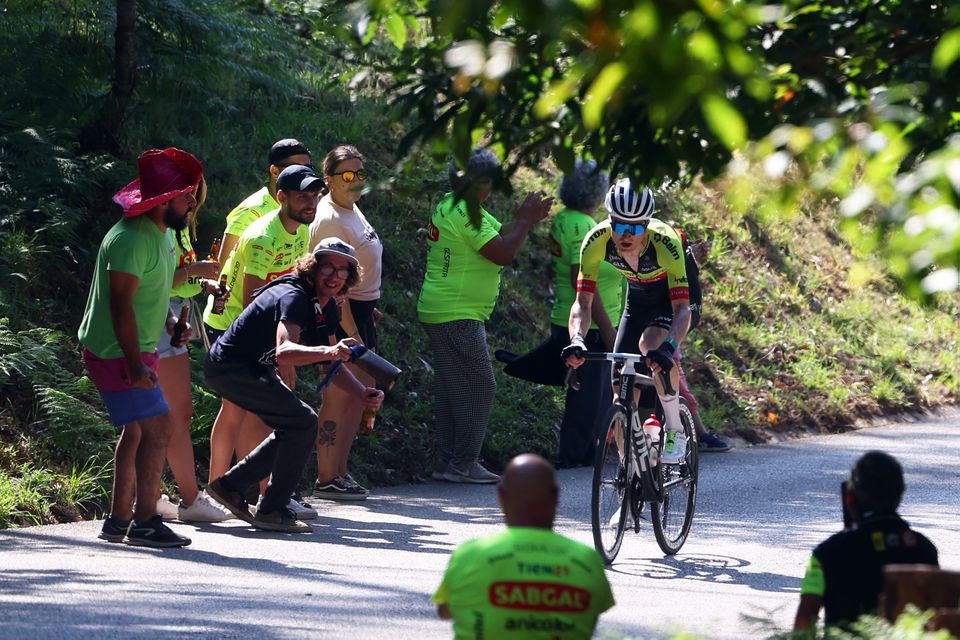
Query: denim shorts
(125, 404)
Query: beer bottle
(220, 299)
(214, 250)
(366, 421)
(180, 327)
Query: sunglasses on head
(350, 176)
(327, 270)
(623, 227)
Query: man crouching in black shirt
(845, 572)
(292, 321)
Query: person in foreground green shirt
(527, 582)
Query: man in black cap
(291, 322)
(267, 250)
(845, 573)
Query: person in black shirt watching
(292, 321)
(845, 573)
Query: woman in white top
(338, 215)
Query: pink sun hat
(164, 175)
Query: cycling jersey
(459, 283)
(524, 583)
(254, 207)
(567, 232)
(661, 272)
(265, 250)
(185, 256)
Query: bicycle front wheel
(673, 516)
(611, 484)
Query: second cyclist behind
(649, 254)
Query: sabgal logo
(539, 596)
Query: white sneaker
(203, 509)
(167, 509)
(675, 448)
(303, 511)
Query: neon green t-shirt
(135, 246)
(254, 207)
(567, 231)
(524, 583)
(265, 250)
(459, 283)
(191, 286)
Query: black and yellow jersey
(661, 270)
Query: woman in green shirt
(460, 287)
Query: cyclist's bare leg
(651, 339)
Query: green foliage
(856, 96)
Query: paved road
(368, 569)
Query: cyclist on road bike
(649, 254)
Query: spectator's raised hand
(535, 206)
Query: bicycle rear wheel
(672, 517)
(611, 486)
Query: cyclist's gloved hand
(662, 356)
(574, 349)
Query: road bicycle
(627, 471)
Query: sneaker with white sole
(339, 489)
(153, 533)
(301, 510)
(675, 448)
(114, 529)
(166, 508)
(234, 501)
(347, 478)
(282, 520)
(203, 509)
(473, 473)
(437, 473)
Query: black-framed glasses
(350, 176)
(327, 270)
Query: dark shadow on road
(708, 568)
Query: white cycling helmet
(625, 203)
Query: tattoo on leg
(327, 434)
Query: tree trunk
(106, 133)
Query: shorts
(125, 404)
(213, 334)
(362, 312)
(164, 348)
(638, 314)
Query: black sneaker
(282, 520)
(339, 489)
(114, 529)
(232, 500)
(153, 533)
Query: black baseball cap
(283, 149)
(299, 177)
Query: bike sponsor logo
(555, 248)
(446, 263)
(538, 624)
(276, 274)
(670, 245)
(433, 233)
(539, 596)
(558, 570)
